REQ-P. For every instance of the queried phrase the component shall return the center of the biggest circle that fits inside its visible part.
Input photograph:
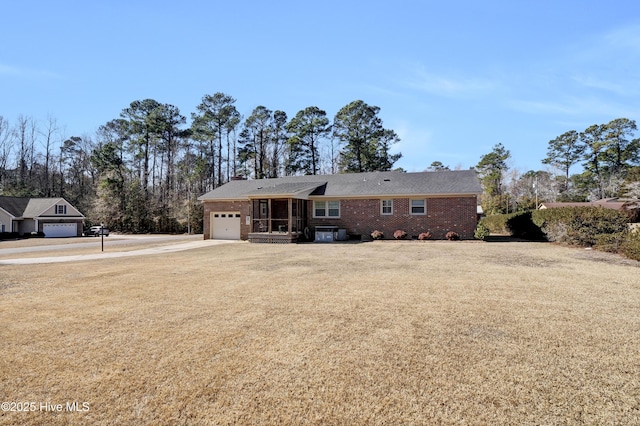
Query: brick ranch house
(294, 208)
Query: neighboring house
(354, 204)
(55, 217)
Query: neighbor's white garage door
(55, 230)
(225, 225)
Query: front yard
(377, 333)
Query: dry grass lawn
(72, 246)
(375, 333)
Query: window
(418, 207)
(334, 208)
(264, 208)
(326, 208)
(386, 207)
(61, 209)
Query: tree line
(608, 153)
(143, 171)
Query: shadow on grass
(510, 239)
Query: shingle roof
(374, 184)
(300, 189)
(14, 205)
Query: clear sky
(452, 78)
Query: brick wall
(244, 207)
(361, 217)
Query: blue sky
(451, 78)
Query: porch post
(289, 224)
(269, 227)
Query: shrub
(425, 236)
(481, 232)
(38, 234)
(580, 226)
(400, 235)
(377, 235)
(9, 235)
(452, 236)
(630, 246)
(497, 223)
(555, 231)
(610, 242)
(521, 225)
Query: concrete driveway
(173, 243)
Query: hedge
(497, 223)
(604, 229)
(581, 226)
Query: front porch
(277, 220)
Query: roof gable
(352, 185)
(37, 206)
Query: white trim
(382, 206)
(326, 209)
(9, 214)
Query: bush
(610, 242)
(34, 235)
(400, 235)
(497, 223)
(377, 235)
(581, 226)
(521, 225)
(605, 229)
(425, 236)
(481, 232)
(452, 236)
(9, 235)
(630, 246)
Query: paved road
(106, 255)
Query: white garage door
(225, 225)
(55, 230)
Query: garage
(57, 230)
(225, 225)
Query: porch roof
(284, 189)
